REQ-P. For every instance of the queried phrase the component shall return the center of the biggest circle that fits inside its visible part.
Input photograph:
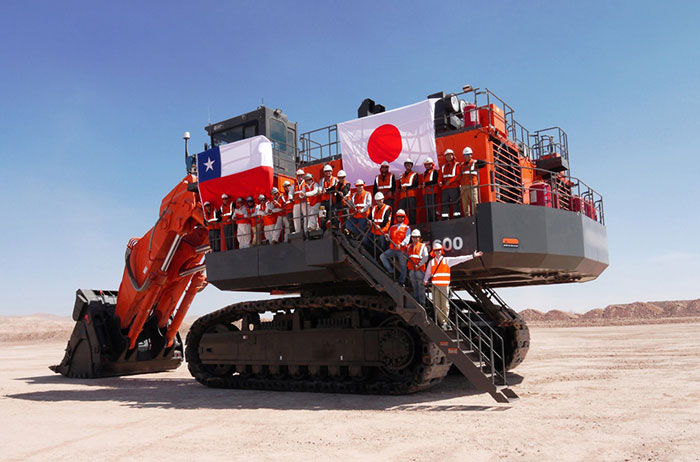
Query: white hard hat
(467, 151)
(341, 174)
(327, 168)
(262, 197)
(207, 203)
(359, 183)
(437, 246)
(449, 151)
(400, 212)
(224, 196)
(384, 164)
(379, 196)
(429, 160)
(308, 176)
(275, 191)
(300, 172)
(408, 161)
(286, 183)
(415, 233)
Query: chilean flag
(392, 136)
(239, 169)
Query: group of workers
(305, 205)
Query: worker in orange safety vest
(385, 183)
(450, 173)
(468, 183)
(213, 226)
(380, 216)
(311, 203)
(227, 225)
(243, 228)
(295, 195)
(399, 236)
(417, 254)
(359, 205)
(408, 186)
(327, 186)
(430, 187)
(439, 272)
(288, 214)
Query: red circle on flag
(384, 144)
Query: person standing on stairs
(438, 271)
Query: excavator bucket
(98, 347)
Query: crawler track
(409, 362)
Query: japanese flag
(393, 136)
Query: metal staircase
(469, 342)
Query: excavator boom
(135, 330)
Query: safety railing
(319, 144)
(472, 330)
(549, 142)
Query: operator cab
(271, 123)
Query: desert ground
(601, 393)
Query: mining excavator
(344, 323)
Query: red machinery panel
(541, 194)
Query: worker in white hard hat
(227, 225)
(430, 187)
(260, 206)
(417, 253)
(341, 196)
(359, 204)
(398, 237)
(469, 183)
(438, 272)
(311, 203)
(380, 219)
(449, 173)
(385, 183)
(328, 185)
(243, 228)
(212, 218)
(287, 205)
(297, 200)
(271, 217)
(408, 187)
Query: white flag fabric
(392, 136)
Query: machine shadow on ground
(185, 393)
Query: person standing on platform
(450, 187)
(312, 203)
(287, 214)
(430, 188)
(213, 226)
(417, 258)
(243, 227)
(439, 272)
(380, 216)
(226, 214)
(341, 195)
(252, 210)
(360, 202)
(328, 186)
(399, 236)
(468, 182)
(296, 196)
(408, 185)
(385, 183)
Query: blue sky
(95, 98)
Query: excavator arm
(135, 330)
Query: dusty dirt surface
(593, 393)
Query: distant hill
(628, 313)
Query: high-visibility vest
(359, 201)
(406, 183)
(226, 213)
(328, 183)
(240, 215)
(385, 186)
(397, 234)
(440, 271)
(212, 219)
(252, 214)
(449, 175)
(430, 175)
(316, 198)
(414, 256)
(297, 192)
(287, 204)
(269, 219)
(378, 214)
(469, 173)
